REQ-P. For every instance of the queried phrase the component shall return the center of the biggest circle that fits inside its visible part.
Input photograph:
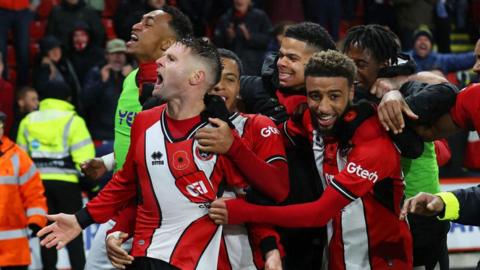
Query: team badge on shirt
(203, 155)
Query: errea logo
(362, 173)
(157, 158)
(267, 131)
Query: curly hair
(180, 23)
(382, 43)
(331, 64)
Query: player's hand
(218, 211)
(116, 254)
(424, 204)
(63, 230)
(273, 260)
(217, 139)
(94, 168)
(391, 109)
(381, 86)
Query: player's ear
(197, 77)
(167, 43)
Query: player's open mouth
(133, 39)
(326, 120)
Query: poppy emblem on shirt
(180, 160)
(203, 155)
(350, 116)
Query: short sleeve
(367, 164)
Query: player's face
(476, 67)
(327, 98)
(293, 55)
(229, 85)
(173, 71)
(367, 66)
(29, 102)
(422, 46)
(148, 35)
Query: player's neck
(180, 109)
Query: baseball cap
(116, 45)
(423, 31)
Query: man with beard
(174, 180)
(360, 170)
(150, 38)
(283, 80)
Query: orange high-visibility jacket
(22, 202)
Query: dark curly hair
(180, 23)
(331, 64)
(382, 43)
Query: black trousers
(23, 267)
(64, 197)
(429, 242)
(145, 263)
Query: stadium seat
(11, 61)
(34, 51)
(37, 30)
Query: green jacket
(57, 139)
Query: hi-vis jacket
(21, 203)
(57, 140)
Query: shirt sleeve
(125, 222)
(366, 164)
(264, 165)
(466, 107)
(120, 190)
(313, 214)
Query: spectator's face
(327, 98)
(156, 4)
(117, 60)
(229, 85)
(293, 55)
(80, 40)
(29, 102)
(241, 5)
(476, 67)
(55, 54)
(148, 37)
(367, 66)
(174, 71)
(422, 46)
(1, 129)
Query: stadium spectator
(7, 98)
(63, 17)
(103, 85)
(27, 102)
(278, 32)
(411, 14)
(245, 30)
(199, 13)
(326, 13)
(22, 203)
(53, 65)
(427, 59)
(82, 52)
(58, 144)
(16, 16)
